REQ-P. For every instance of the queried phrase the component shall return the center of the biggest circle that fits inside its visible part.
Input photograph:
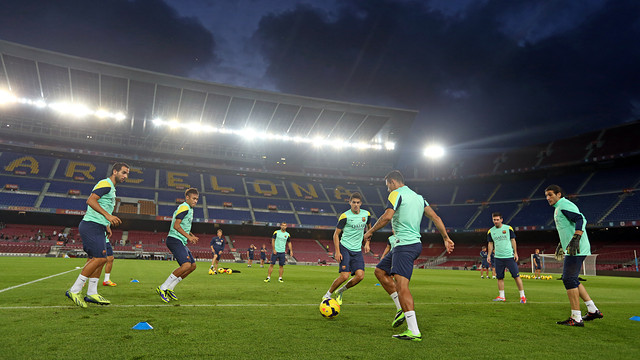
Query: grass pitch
(238, 316)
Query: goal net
(553, 266)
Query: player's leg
(212, 269)
(342, 277)
(515, 273)
(500, 265)
(216, 256)
(570, 273)
(182, 255)
(108, 266)
(402, 265)
(274, 258)
(94, 244)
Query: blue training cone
(135, 281)
(142, 326)
(635, 318)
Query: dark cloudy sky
(482, 73)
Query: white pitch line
(34, 281)
(280, 305)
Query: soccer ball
(229, 271)
(211, 272)
(329, 308)
(221, 270)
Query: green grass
(239, 316)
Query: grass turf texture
(239, 316)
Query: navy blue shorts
(510, 264)
(400, 260)
(251, 255)
(180, 251)
(263, 256)
(109, 249)
(571, 270)
(217, 252)
(538, 267)
(278, 256)
(351, 261)
(485, 265)
(94, 239)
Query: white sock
(280, 278)
(168, 282)
(591, 307)
(394, 297)
(174, 283)
(77, 286)
(501, 293)
(521, 293)
(268, 277)
(92, 288)
(328, 294)
(107, 276)
(576, 315)
(412, 322)
(342, 289)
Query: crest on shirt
(504, 231)
(364, 219)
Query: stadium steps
(613, 207)
(585, 182)
(45, 188)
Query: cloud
(470, 75)
(143, 34)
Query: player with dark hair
(537, 264)
(217, 246)
(485, 264)
(250, 254)
(94, 230)
(351, 225)
(405, 210)
(571, 227)
(179, 234)
(504, 238)
(278, 244)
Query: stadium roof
(143, 96)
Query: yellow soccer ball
(329, 308)
(229, 271)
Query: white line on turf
(280, 305)
(34, 281)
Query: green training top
(568, 219)
(184, 212)
(281, 240)
(353, 226)
(501, 238)
(409, 210)
(107, 193)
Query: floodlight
(434, 151)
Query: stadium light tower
(434, 151)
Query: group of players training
(404, 209)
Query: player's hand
(515, 256)
(368, 235)
(489, 260)
(559, 252)
(338, 257)
(449, 245)
(193, 239)
(574, 245)
(274, 251)
(109, 233)
(114, 220)
(367, 248)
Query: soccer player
(537, 264)
(571, 225)
(250, 252)
(278, 244)
(217, 245)
(503, 238)
(485, 264)
(351, 225)
(94, 229)
(404, 209)
(179, 234)
(263, 255)
(107, 268)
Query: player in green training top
(278, 244)
(405, 209)
(503, 238)
(94, 229)
(571, 227)
(179, 234)
(351, 224)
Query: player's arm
(386, 251)
(367, 245)
(515, 250)
(489, 247)
(109, 233)
(382, 222)
(273, 243)
(92, 201)
(178, 228)
(290, 248)
(336, 245)
(448, 243)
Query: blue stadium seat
(275, 217)
(55, 202)
(13, 199)
(318, 220)
(24, 183)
